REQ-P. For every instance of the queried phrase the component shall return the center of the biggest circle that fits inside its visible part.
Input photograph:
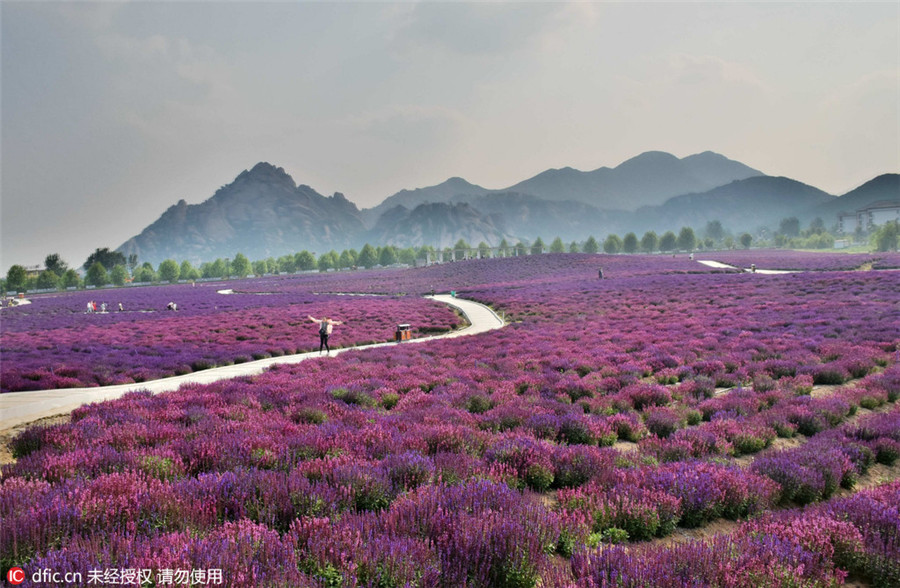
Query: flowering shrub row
(816, 547)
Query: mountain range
(264, 213)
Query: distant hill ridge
(264, 213)
(648, 179)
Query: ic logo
(15, 575)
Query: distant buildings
(871, 216)
(33, 271)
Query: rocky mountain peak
(264, 172)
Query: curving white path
(720, 265)
(17, 408)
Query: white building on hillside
(873, 215)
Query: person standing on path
(326, 325)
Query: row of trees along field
(105, 267)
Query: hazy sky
(111, 112)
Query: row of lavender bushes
(399, 522)
(820, 546)
(132, 481)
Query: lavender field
(54, 343)
(776, 259)
(669, 425)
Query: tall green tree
(368, 257)
(145, 273)
(745, 240)
(504, 248)
(347, 259)
(686, 239)
(789, 227)
(649, 242)
(240, 266)
(188, 272)
(591, 245)
(17, 279)
(667, 241)
(216, 269)
(96, 275)
(557, 246)
(387, 255)
(71, 279)
(105, 257)
(168, 271)
(407, 255)
(328, 261)
(47, 280)
(538, 246)
(612, 244)
(484, 250)
(573, 247)
(287, 264)
(887, 237)
(118, 275)
(260, 267)
(304, 261)
(816, 226)
(714, 231)
(630, 243)
(55, 264)
(461, 249)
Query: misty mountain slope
(261, 214)
(530, 217)
(740, 205)
(883, 187)
(439, 224)
(716, 170)
(410, 199)
(646, 180)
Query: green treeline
(111, 268)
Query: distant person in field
(326, 325)
(171, 306)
